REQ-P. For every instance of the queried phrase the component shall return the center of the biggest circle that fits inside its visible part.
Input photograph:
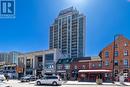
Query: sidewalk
(83, 83)
(125, 83)
(93, 83)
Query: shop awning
(95, 71)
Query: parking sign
(7, 8)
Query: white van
(49, 80)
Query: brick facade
(88, 63)
(79, 64)
(121, 57)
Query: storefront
(74, 74)
(62, 74)
(91, 75)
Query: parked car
(49, 80)
(28, 78)
(2, 77)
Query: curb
(90, 84)
(99, 85)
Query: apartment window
(49, 57)
(69, 19)
(126, 53)
(126, 62)
(116, 53)
(116, 46)
(107, 63)
(116, 63)
(126, 44)
(106, 54)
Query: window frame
(116, 63)
(116, 53)
(125, 63)
(106, 54)
(106, 63)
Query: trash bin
(99, 79)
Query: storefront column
(34, 67)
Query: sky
(29, 31)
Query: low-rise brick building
(93, 70)
(79, 64)
(81, 69)
(119, 51)
(63, 68)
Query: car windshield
(49, 77)
(43, 78)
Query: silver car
(49, 80)
(2, 77)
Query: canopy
(95, 70)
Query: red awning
(95, 71)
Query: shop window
(125, 71)
(59, 66)
(66, 66)
(116, 73)
(93, 65)
(99, 65)
(83, 67)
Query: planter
(99, 81)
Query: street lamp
(114, 44)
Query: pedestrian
(58, 76)
(117, 78)
(7, 77)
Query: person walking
(7, 77)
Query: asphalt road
(16, 83)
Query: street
(16, 83)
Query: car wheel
(38, 83)
(54, 83)
(27, 80)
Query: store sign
(7, 8)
